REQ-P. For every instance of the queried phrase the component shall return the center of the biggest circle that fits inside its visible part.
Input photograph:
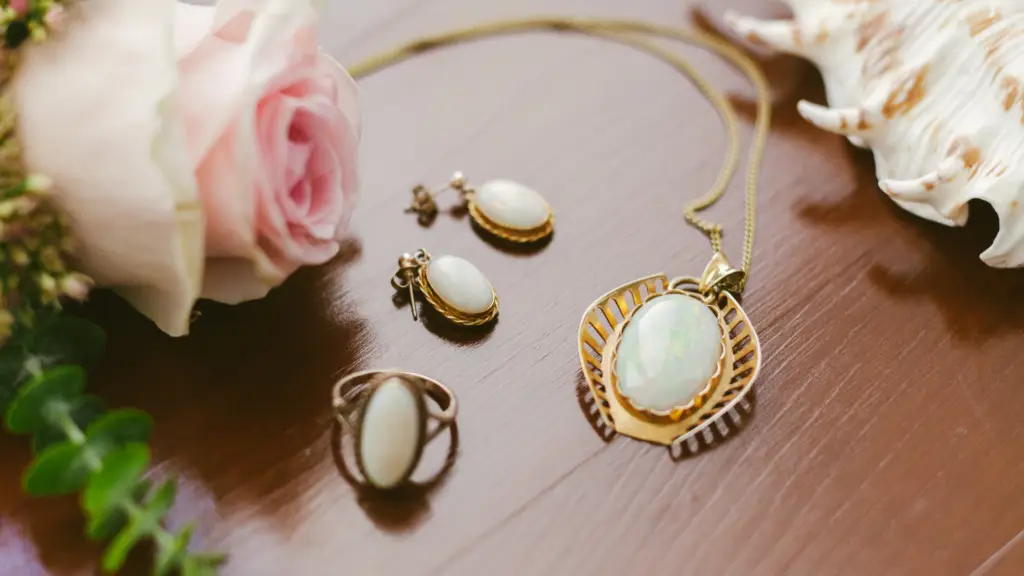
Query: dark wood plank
(888, 436)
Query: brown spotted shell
(933, 87)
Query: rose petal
(233, 280)
(122, 172)
(228, 201)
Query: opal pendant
(453, 286)
(665, 359)
(511, 211)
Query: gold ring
(391, 416)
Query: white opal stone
(668, 352)
(460, 284)
(512, 205)
(390, 434)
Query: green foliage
(119, 428)
(68, 340)
(116, 481)
(61, 469)
(104, 526)
(81, 447)
(12, 373)
(83, 411)
(49, 391)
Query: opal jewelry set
(665, 359)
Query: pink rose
(272, 128)
(198, 151)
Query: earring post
(412, 301)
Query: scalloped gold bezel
(512, 234)
(610, 365)
(449, 311)
(599, 337)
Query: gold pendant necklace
(663, 358)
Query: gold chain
(630, 33)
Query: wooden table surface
(888, 434)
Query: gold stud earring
(388, 414)
(453, 286)
(508, 210)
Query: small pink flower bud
(76, 286)
(50, 258)
(25, 205)
(20, 7)
(47, 284)
(54, 17)
(20, 257)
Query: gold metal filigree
(599, 337)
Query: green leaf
(12, 373)
(118, 428)
(202, 565)
(170, 558)
(61, 469)
(105, 526)
(160, 503)
(115, 482)
(53, 387)
(69, 340)
(142, 522)
(122, 544)
(84, 410)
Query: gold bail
(720, 275)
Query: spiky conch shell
(933, 87)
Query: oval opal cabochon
(668, 352)
(512, 205)
(390, 433)
(460, 284)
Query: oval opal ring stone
(389, 415)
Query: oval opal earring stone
(511, 211)
(459, 290)
(391, 433)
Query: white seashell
(934, 87)
(668, 353)
(460, 284)
(390, 433)
(512, 205)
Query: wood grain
(888, 437)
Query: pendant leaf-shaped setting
(664, 360)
